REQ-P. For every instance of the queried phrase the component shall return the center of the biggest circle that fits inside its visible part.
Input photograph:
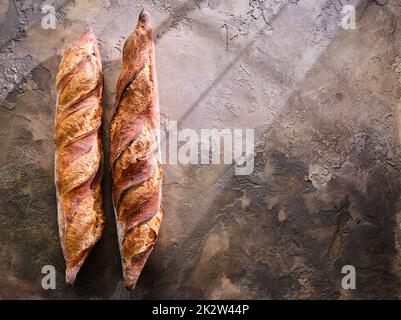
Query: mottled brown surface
(326, 186)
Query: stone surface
(326, 186)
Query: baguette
(78, 156)
(134, 153)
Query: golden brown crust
(134, 152)
(78, 158)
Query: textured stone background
(324, 105)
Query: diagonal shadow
(206, 223)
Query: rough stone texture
(324, 105)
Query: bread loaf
(134, 153)
(78, 155)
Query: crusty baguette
(78, 157)
(134, 152)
